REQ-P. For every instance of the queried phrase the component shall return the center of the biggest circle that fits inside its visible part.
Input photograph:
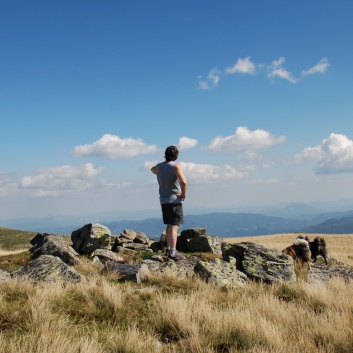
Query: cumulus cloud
(243, 66)
(334, 155)
(244, 139)
(60, 179)
(199, 173)
(320, 67)
(212, 79)
(114, 147)
(7, 186)
(186, 143)
(276, 70)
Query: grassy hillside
(12, 239)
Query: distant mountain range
(299, 218)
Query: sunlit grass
(168, 314)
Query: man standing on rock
(172, 192)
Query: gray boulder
(260, 263)
(181, 269)
(221, 273)
(4, 276)
(131, 240)
(128, 234)
(196, 240)
(49, 269)
(56, 245)
(141, 238)
(106, 255)
(90, 237)
(135, 272)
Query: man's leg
(172, 235)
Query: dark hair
(171, 153)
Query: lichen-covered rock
(196, 240)
(56, 245)
(4, 276)
(221, 273)
(181, 269)
(106, 255)
(320, 272)
(90, 237)
(260, 263)
(48, 268)
(128, 234)
(135, 272)
(141, 238)
(137, 247)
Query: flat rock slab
(221, 273)
(106, 255)
(260, 263)
(160, 265)
(48, 268)
(320, 272)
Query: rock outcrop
(260, 263)
(54, 257)
(129, 240)
(106, 255)
(221, 273)
(90, 237)
(196, 240)
(49, 268)
(159, 265)
(56, 245)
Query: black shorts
(173, 213)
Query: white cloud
(113, 147)
(334, 155)
(244, 66)
(204, 85)
(7, 186)
(276, 70)
(214, 77)
(244, 139)
(199, 173)
(61, 179)
(186, 143)
(212, 80)
(320, 67)
(147, 165)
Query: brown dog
(300, 251)
(318, 247)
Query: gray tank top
(168, 183)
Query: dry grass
(339, 246)
(167, 314)
(11, 252)
(101, 316)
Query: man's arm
(154, 169)
(183, 182)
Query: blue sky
(257, 95)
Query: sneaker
(177, 257)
